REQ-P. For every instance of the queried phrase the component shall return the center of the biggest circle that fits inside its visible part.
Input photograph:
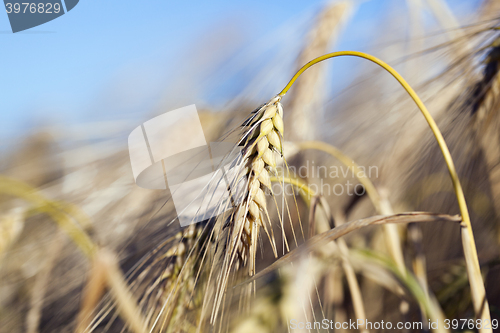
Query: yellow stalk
(480, 303)
(382, 206)
(350, 275)
(74, 230)
(347, 161)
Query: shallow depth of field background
(120, 62)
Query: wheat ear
(305, 106)
(261, 140)
(263, 143)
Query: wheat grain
(11, 225)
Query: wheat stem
(356, 296)
(320, 240)
(480, 303)
(429, 303)
(60, 213)
(382, 205)
(305, 105)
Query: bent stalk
(480, 303)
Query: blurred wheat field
(348, 211)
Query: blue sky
(69, 69)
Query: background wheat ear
(11, 225)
